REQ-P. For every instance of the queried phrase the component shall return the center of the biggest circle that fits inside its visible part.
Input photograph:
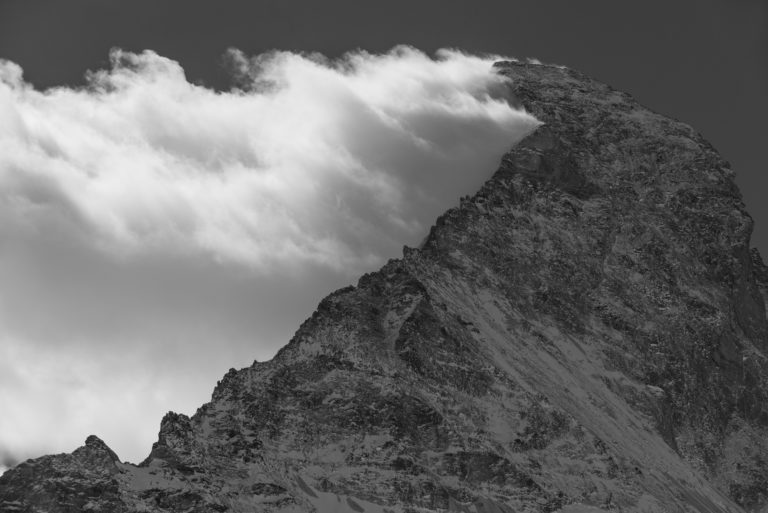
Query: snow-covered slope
(586, 333)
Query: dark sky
(704, 62)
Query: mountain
(586, 333)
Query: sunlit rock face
(587, 332)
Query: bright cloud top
(331, 162)
(155, 232)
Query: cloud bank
(156, 232)
(304, 166)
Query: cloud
(7, 460)
(156, 232)
(301, 170)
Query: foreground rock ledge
(588, 332)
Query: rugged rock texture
(588, 332)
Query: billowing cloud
(156, 232)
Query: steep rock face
(587, 332)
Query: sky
(181, 182)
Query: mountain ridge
(586, 332)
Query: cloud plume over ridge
(304, 167)
(151, 224)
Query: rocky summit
(586, 333)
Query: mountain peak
(587, 332)
(95, 443)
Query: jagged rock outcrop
(587, 332)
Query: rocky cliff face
(588, 332)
